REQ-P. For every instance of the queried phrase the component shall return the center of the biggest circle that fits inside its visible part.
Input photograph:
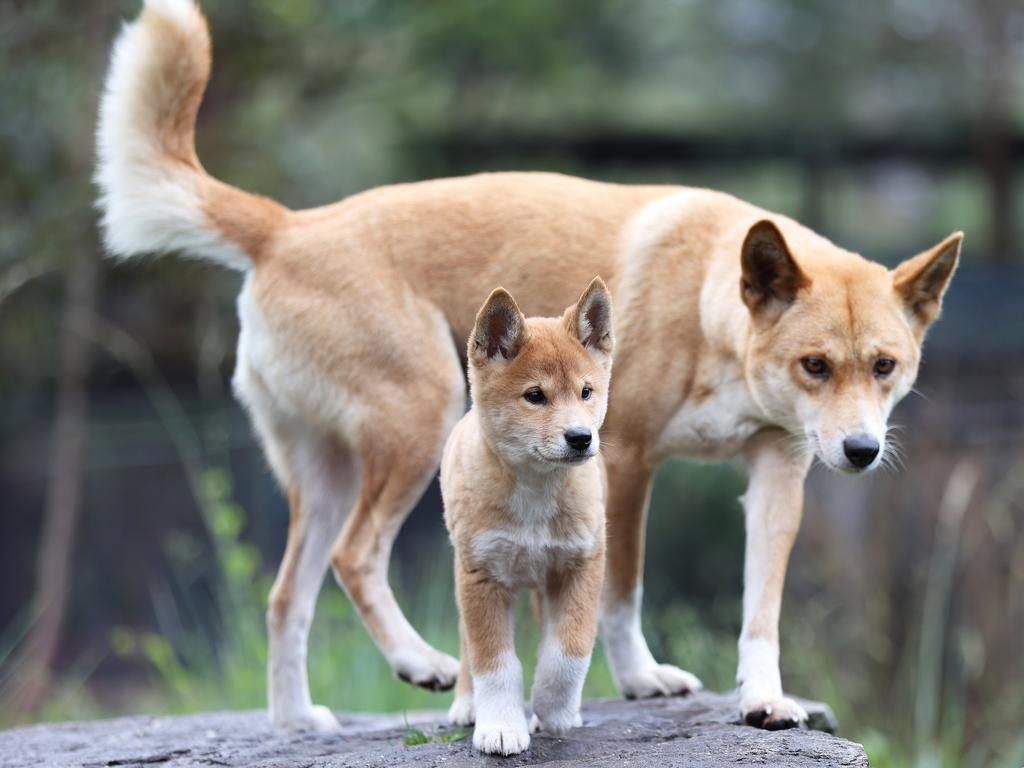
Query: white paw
(501, 738)
(461, 712)
(772, 714)
(556, 724)
(658, 680)
(426, 668)
(317, 718)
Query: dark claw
(781, 724)
(431, 685)
(634, 697)
(757, 717)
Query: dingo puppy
(739, 332)
(525, 509)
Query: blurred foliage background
(140, 526)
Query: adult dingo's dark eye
(586, 393)
(535, 396)
(884, 366)
(816, 366)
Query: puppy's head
(836, 342)
(540, 385)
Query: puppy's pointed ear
(921, 281)
(591, 319)
(770, 279)
(500, 329)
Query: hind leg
(321, 479)
(400, 444)
(400, 457)
(322, 485)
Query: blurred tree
(73, 249)
(34, 664)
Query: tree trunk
(35, 661)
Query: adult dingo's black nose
(578, 438)
(860, 449)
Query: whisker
(892, 442)
(797, 446)
(892, 456)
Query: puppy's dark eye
(816, 366)
(535, 396)
(884, 366)
(586, 393)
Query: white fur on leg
(289, 702)
(558, 688)
(758, 672)
(327, 485)
(637, 675)
(500, 720)
(761, 700)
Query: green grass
(414, 737)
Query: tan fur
(284, 584)
(628, 490)
(348, 366)
(185, 83)
(244, 219)
(576, 596)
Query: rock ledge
(699, 731)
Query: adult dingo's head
(836, 339)
(540, 385)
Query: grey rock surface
(697, 731)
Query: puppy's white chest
(522, 556)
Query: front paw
(556, 723)
(773, 714)
(501, 738)
(658, 680)
(461, 712)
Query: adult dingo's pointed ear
(591, 319)
(500, 329)
(770, 277)
(921, 281)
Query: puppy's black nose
(860, 449)
(578, 438)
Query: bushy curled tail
(154, 194)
